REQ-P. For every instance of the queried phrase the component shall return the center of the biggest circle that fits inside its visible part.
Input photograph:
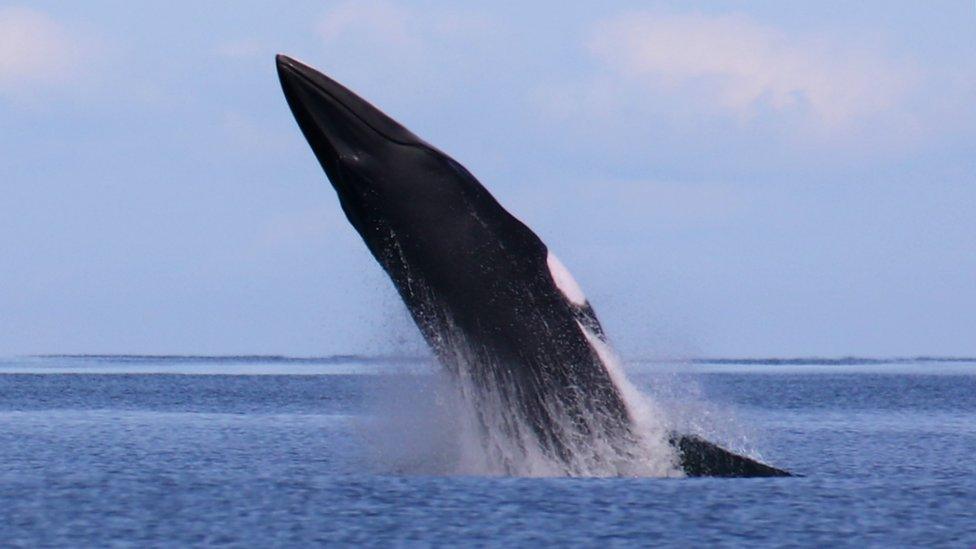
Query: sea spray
(456, 424)
(693, 406)
(468, 418)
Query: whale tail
(700, 458)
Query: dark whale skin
(475, 279)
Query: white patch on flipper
(649, 418)
(612, 364)
(565, 281)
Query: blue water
(254, 452)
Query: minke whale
(494, 304)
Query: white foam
(565, 281)
(649, 419)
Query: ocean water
(254, 451)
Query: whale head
(381, 171)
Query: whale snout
(327, 110)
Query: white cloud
(370, 21)
(739, 67)
(373, 35)
(396, 27)
(35, 49)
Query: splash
(455, 424)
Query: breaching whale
(494, 304)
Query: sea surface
(271, 451)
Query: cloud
(734, 66)
(364, 37)
(381, 22)
(36, 49)
(395, 27)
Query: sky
(731, 178)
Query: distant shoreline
(381, 359)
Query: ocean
(261, 451)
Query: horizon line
(345, 357)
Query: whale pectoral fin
(700, 458)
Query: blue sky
(733, 178)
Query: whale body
(493, 303)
